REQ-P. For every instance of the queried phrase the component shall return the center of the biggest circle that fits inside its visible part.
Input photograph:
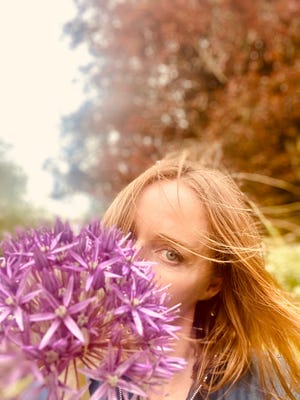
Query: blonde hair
(256, 321)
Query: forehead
(170, 208)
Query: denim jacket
(247, 388)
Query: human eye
(171, 256)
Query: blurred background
(94, 91)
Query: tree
(207, 71)
(12, 180)
(13, 209)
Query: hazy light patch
(40, 82)
(73, 207)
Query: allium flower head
(84, 301)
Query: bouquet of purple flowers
(81, 304)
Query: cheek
(184, 295)
(186, 287)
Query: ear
(213, 288)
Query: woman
(240, 334)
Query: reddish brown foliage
(211, 71)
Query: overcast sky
(39, 82)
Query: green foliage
(20, 217)
(14, 211)
(283, 261)
(12, 179)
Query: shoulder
(246, 388)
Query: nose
(141, 247)
(144, 249)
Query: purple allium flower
(84, 301)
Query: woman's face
(170, 220)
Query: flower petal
(4, 313)
(19, 318)
(29, 296)
(74, 328)
(69, 291)
(89, 282)
(151, 313)
(50, 332)
(79, 259)
(80, 306)
(138, 322)
(41, 317)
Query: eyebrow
(194, 250)
(175, 241)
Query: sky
(40, 82)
